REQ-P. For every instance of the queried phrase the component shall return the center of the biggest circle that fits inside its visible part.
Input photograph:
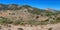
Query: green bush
(5, 20)
(16, 22)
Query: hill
(16, 14)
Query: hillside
(25, 14)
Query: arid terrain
(25, 17)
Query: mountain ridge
(27, 13)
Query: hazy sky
(54, 4)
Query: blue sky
(54, 4)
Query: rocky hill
(15, 13)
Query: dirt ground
(28, 27)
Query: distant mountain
(51, 10)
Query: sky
(42, 4)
